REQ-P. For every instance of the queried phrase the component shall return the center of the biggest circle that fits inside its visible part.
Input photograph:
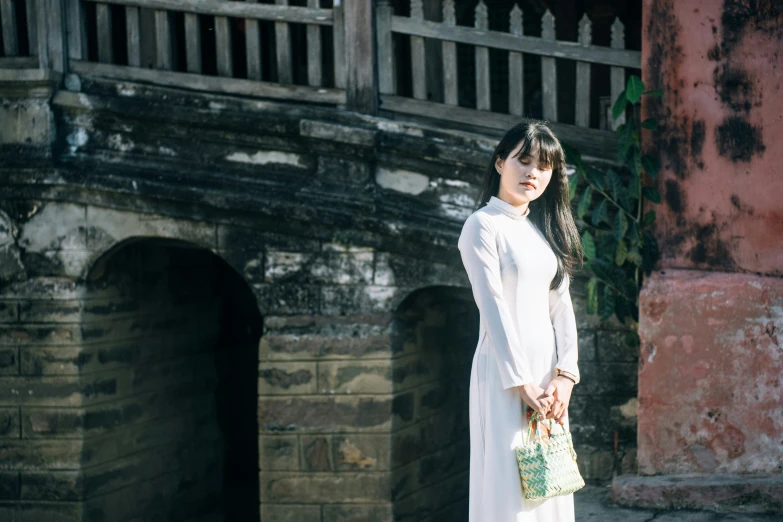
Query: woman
(519, 251)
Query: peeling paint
(403, 181)
(267, 157)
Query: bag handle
(538, 418)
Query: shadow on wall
(183, 341)
(436, 331)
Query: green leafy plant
(618, 245)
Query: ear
(498, 164)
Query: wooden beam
(215, 84)
(277, 13)
(524, 44)
(591, 142)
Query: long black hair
(551, 212)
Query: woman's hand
(560, 389)
(534, 397)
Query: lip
(528, 184)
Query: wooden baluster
(32, 31)
(582, 110)
(253, 47)
(192, 43)
(338, 44)
(482, 60)
(164, 56)
(42, 39)
(133, 35)
(418, 60)
(548, 70)
(387, 72)
(516, 76)
(10, 34)
(314, 76)
(449, 51)
(617, 74)
(283, 45)
(225, 58)
(103, 20)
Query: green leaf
(615, 184)
(649, 217)
(595, 177)
(634, 89)
(632, 338)
(602, 268)
(606, 305)
(633, 187)
(651, 165)
(621, 253)
(588, 244)
(584, 202)
(620, 226)
(592, 295)
(619, 106)
(652, 194)
(634, 256)
(650, 123)
(599, 213)
(624, 143)
(656, 92)
(573, 181)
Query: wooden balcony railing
(325, 52)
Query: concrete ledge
(718, 492)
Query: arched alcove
(172, 332)
(436, 332)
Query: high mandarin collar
(508, 208)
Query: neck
(511, 200)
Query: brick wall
(437, 334)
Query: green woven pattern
(548, 466)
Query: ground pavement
(594, 505)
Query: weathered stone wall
(111, 380)
(331, 220)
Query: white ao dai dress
(526, 332)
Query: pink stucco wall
(720, 64)
(711, 373)
(710, 385)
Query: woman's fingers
(561, 412)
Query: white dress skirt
(526, 332)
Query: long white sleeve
(478, 249)
(561, 312)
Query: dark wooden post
(52, 37)
(360, 62)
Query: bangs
(543, 145)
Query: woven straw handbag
(548, 465)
